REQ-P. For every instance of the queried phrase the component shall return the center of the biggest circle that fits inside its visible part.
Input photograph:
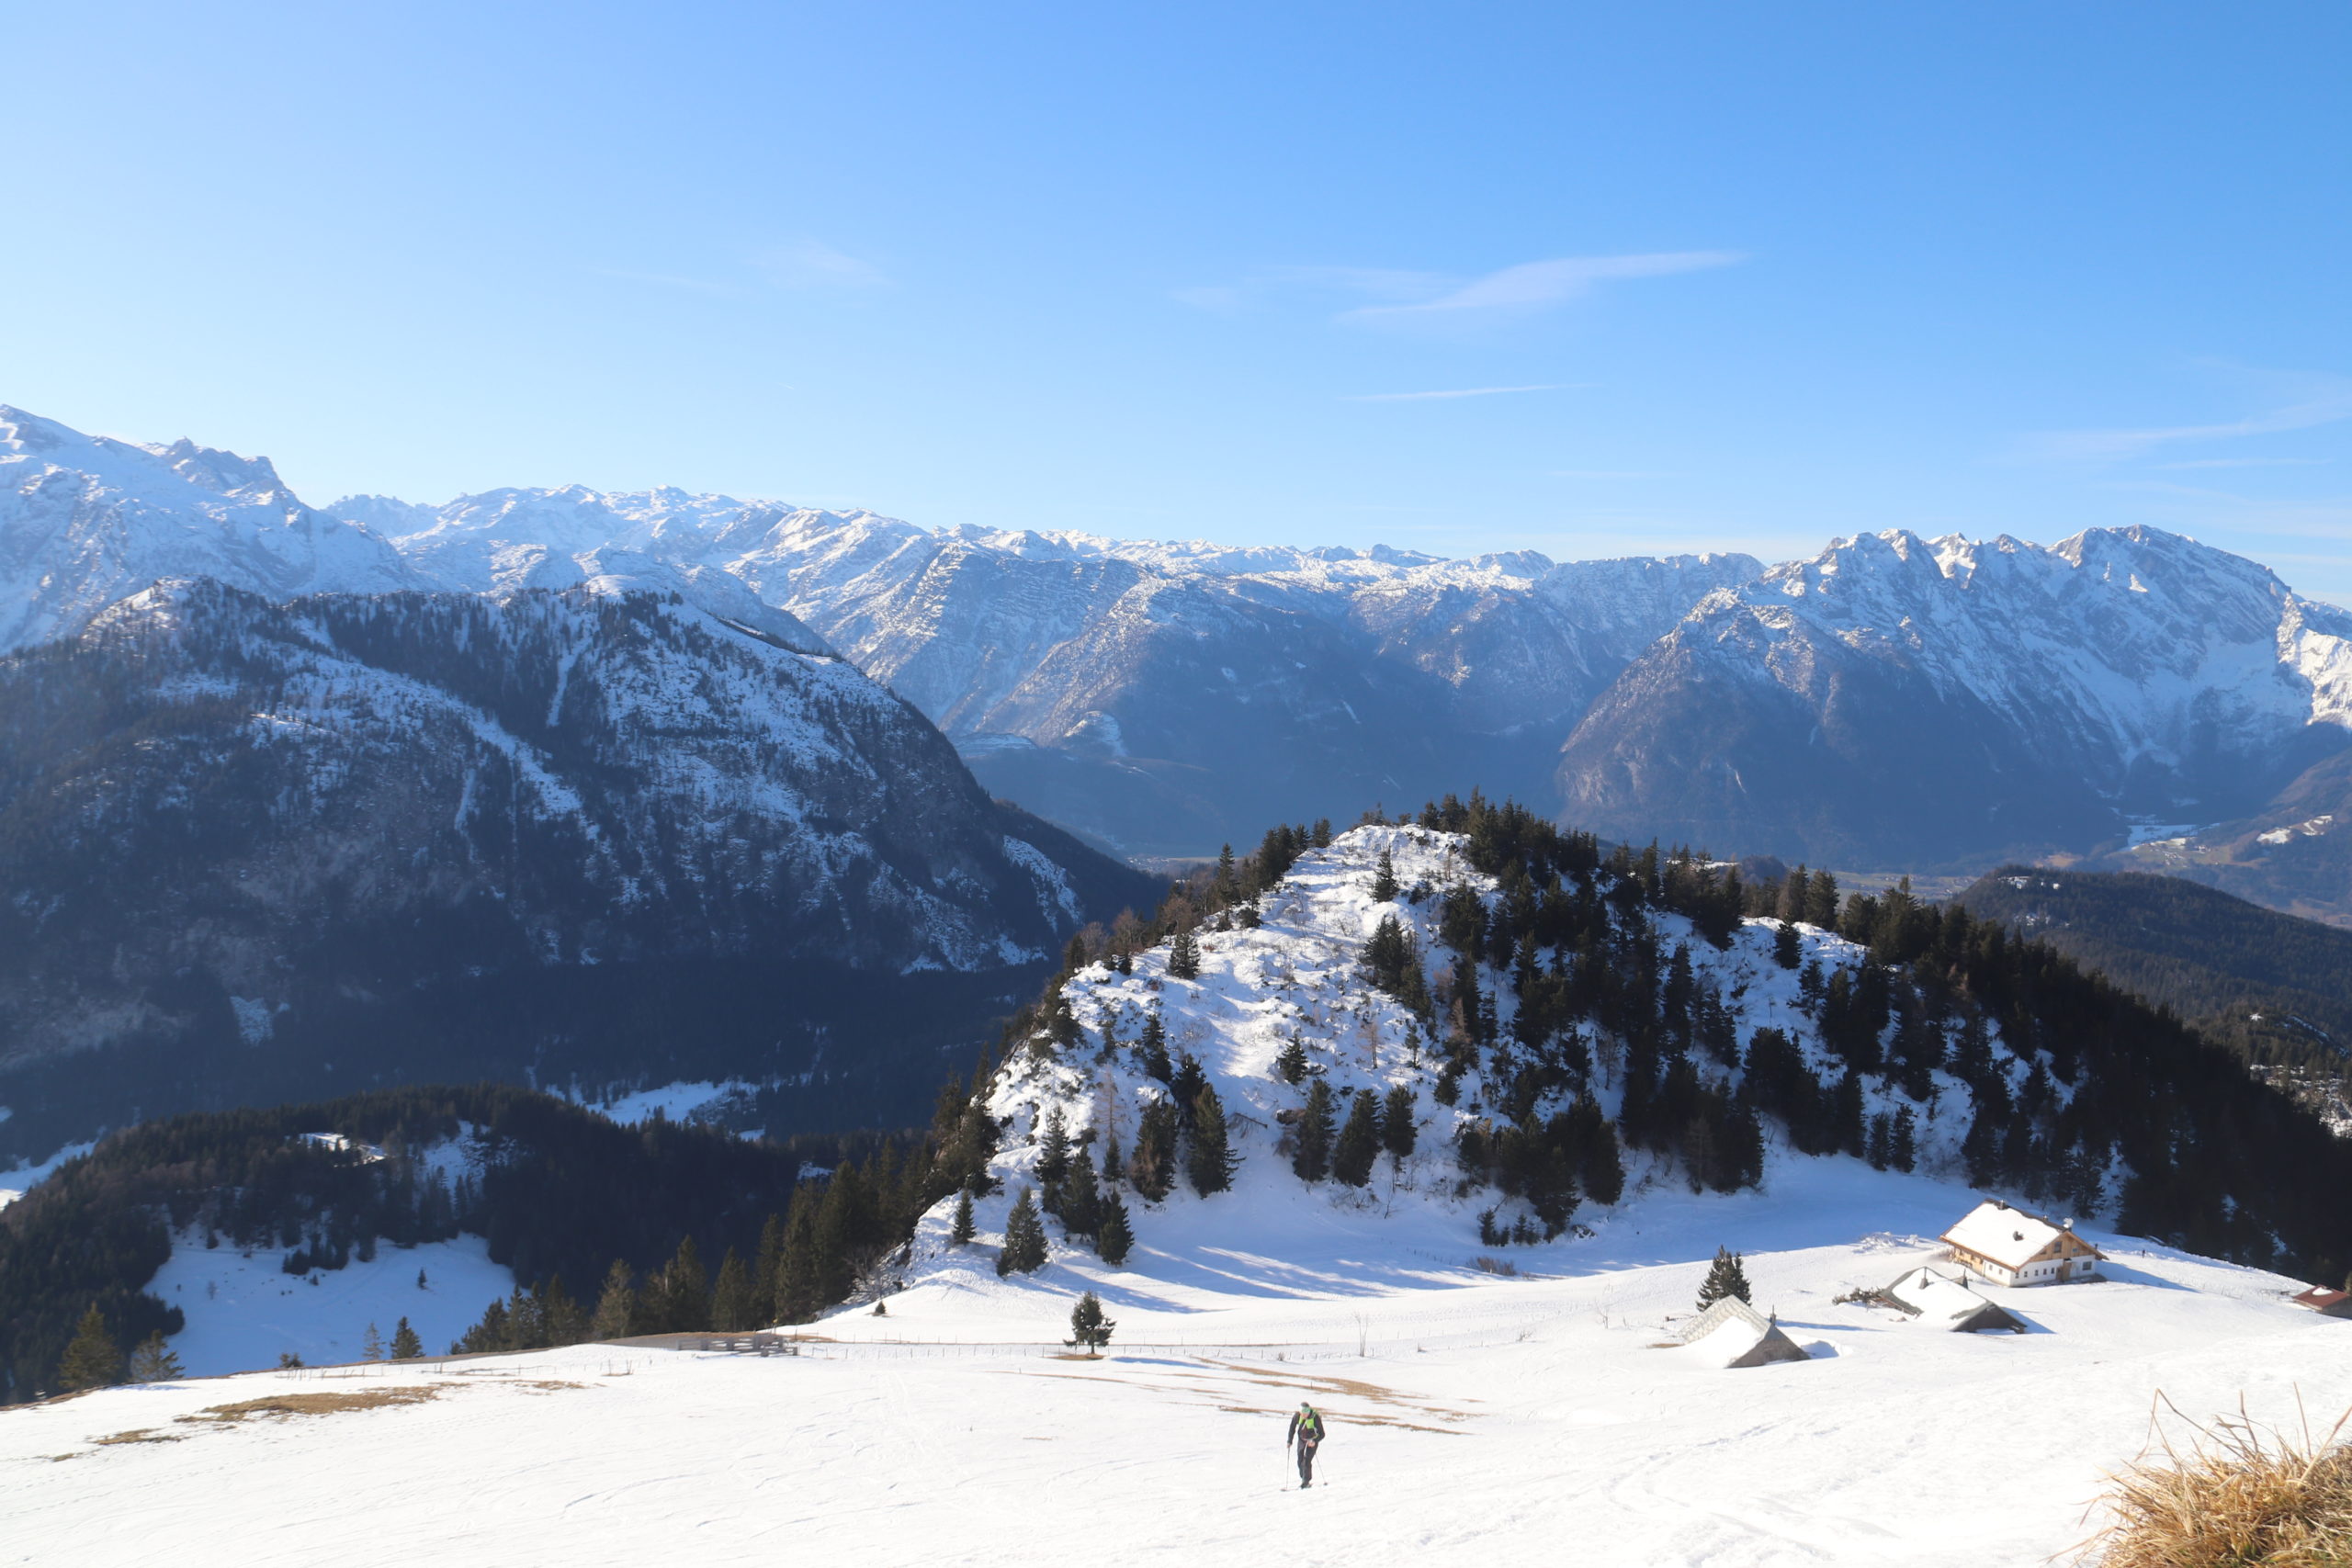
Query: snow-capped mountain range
(1896, 701)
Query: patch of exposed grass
(140, 1435)
(316, 1403)
(2231, 1495)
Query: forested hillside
(2275, 987)
(1480, 1013)
(565, 1197)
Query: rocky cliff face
(228, 824)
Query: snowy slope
(1299, 976)
(1503, 1422)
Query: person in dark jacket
(1307, 1435)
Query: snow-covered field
(1483, 1420)
(244, 1311)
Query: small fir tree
(960, 1229)
(371, 1346)
(1725, 1277)
(1359, 1144)
(1788, 947)
(1291, 1064)
(1184, 956)
(1311, 1156)
(1088, 1327)
(1152, 1167)
(1185, 1087)
(1114, 1238)
(1154, 1046)
(406, 1346)
(92, 1360)
(1903, 1146)
(1210, 1162)
(731, 1311)
(1053, 1153)
(1398, 1130)
(685, 1292)
(154, 1363)
(1025, 1237)
(1080, 1203)
(1384, 880)
(615, 1304)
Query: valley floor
(1473, 1419)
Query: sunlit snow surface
(244, 1311)
(1475, 1419)
(1493, 1422)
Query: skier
(1307, 1432)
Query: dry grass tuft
(316, 1403)
(140, 1434)
(2233, 1495)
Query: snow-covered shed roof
(2331, 1303)
(1733, 1334)
(1942, 1302)
(2011, 1237)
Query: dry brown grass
(140, 1434)
(318, 1404)
(2232, 1495)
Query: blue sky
(1590, 279)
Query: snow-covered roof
(2007, 1237)
(1940, 1300)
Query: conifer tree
(1210, 1162)
(769, 1266)
(1384, 880)
(615, 1304)
(1311, 1159)
(1876, 1142)
(731, 1311)
(1359, 1143)
(960, 1229)
(1184, 1088)
(1152, 1167)
(1088, 1327)
(154, 1363)
(1290, 1065)
(685, 1292)
(1788, 947)
(1053, 1155)
(1184, 956)
(1114, 1238)
(1398, 1131)
(1154, 1046)
(1081, 1201)
(1322, 836)
(406, 1346)
(1025, 1238)
(799, 1291)
(371, 1347)
(92, 1360)
(1903, 1149)
(1725, 1277)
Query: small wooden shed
(1940, 1300)
(2324, 1301)
(1744, 1337)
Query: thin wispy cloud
(2248, 463)
(1397, 293)
(2314, 400)
(671, 280)
(1457, 392)
(811, 264)
(1535, 284)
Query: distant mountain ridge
(1895, 701)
